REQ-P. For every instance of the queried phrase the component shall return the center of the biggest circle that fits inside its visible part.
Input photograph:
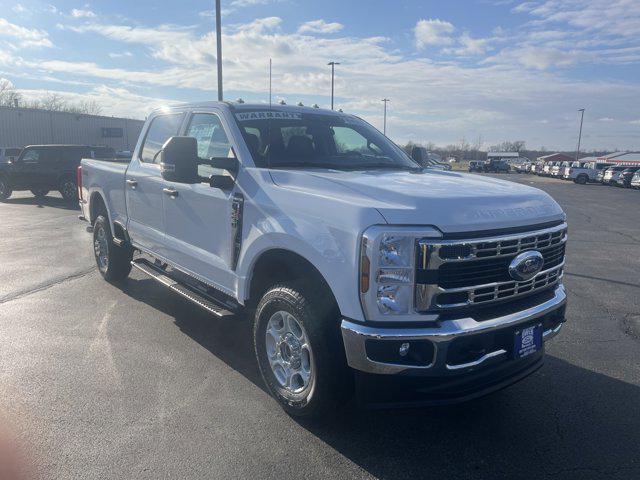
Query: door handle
(132, 183)
(172, 192)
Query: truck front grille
(460, 273)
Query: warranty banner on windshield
(266, 115)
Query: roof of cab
(235, 106)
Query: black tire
(582, 179)
(40, 192)
(114, 262)
(330, 380)
(5, 189)
(68, 188)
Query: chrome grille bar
(435, 253)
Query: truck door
(143, 185)
(197, 216)
(34, 168)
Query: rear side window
(161, 129)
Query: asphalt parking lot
(98, 381)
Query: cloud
(27, 37)
(433, 32)
(19, 8)
(76, 13)
(120, 54)
(467, 46)
(501, 98)
(538, 58)
(320, 26)
(606, 119)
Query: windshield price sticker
(265, 115)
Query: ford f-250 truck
(360, 269)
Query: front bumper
(488, 339)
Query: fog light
(404, 349)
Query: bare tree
(9, 96)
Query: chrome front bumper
(355, 337)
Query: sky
(480, 70)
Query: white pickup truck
(360, 269)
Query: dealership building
(20, 127)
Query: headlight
(387, 270)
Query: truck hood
(450, 201)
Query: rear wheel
(5, 189)
(582, 179)
(39, 192)
(69, 189)
(299, 351)
(114, 262)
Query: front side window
(213, 142)
(32, 155)
(314, 140)
(161, 129)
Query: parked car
(635, 180)
(476, 166)
(537, 167)
(546, 169)
(624, 179)
(349, 257)
(9, 154)
(611, 174)
(494, 165)
(522, 167)
(42, 168)
(558, 168)
(588, 172)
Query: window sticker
(267, 115)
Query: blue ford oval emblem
(526, 265)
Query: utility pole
(580, 134)
(384, 124)
(333, 73)
(219, 48)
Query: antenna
(269, 83)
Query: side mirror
(179, 160)
(231, 165)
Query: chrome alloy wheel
(101, 248)
(289, 352)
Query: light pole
(219, 48)
(580, 134)
(333, 73)
(384, 123)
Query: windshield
(307, 140)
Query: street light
(333, 73)
(219, 48)
(580, 134)
(384, 125)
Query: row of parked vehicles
(627, 176)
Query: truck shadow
(51, 202)
(563, 421)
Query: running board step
(160, 276)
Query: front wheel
(5, 189)
(40, 192)
(299, 351)
(114, 262)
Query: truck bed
(106, 176)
